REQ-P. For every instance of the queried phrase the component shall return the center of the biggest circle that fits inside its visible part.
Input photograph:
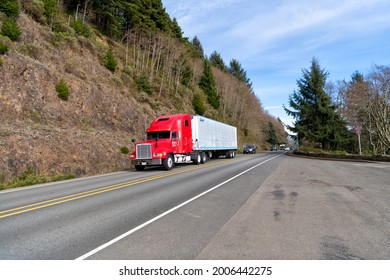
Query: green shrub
(32, 50)
(3, 48)
(35, 8)
(1, 61)
(62, 90)
(143, 84)
(11, 29)
(9, 7)
(110, 61)
(338, 152)
(125, 150)
(51, 10)
(311, 150)
(198, 104)
(27, 178)
(81, 29)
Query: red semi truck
(184, 138)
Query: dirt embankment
(80, 136)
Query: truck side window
(174, 134)
(186, 123)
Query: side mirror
(133, 140)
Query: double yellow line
(59, 200)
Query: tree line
(361, 105)
(365, 103)
(116, 17)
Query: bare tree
(366, 100)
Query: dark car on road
(274, 148)
(249, 149)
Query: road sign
(358, 128)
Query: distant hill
(76, 87)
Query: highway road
(263, 206)
(68, 220)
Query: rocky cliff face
(80, 136)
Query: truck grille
(144, 151)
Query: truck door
(187, 135)
(176, 141)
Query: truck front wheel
(168, 162)
(139, 167)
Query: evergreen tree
(176, 30)
(272, 137)
(109, 16)
(217, 61)
(315, 115)
(357, 77)
(51, 10)
(116, 17)
(9, 7)
(207, 84)
(11, 29)
(148, 14)
(62, 89)
(197, 47)
(198, 104)
(110, 61)
(186, 75)
(237, 71)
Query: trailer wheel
(203, 157)
(139, 167)
(230, 154)
(168, 162)
(197, 159)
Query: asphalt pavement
(311, 209)
(263, 206)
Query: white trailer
(213, 137)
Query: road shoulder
(310, 209)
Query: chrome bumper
(147, 162)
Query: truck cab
(168, 141)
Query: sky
(274, 40)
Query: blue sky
(275, 39)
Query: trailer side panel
(209, 134)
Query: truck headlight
(160, 155)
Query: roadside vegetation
(30, 177)
(329, 117)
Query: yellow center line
(59, 200)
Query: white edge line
(105, 245)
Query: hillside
(106, 109)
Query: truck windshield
(158, 135)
